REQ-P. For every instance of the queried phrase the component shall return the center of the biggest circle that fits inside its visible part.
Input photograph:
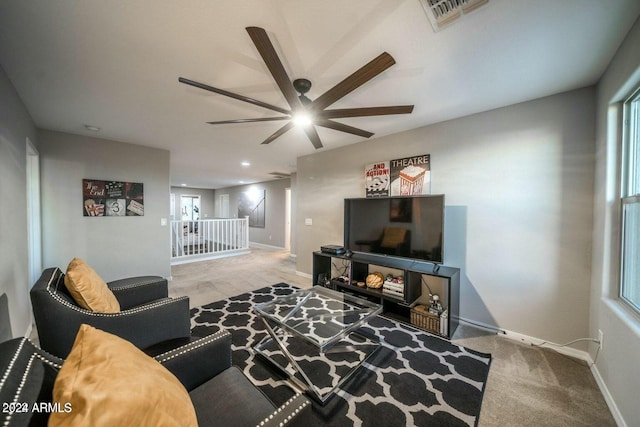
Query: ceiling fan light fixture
(302, 111)
(302, 119)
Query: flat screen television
(406, 227)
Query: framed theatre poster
(112, 198)
(411, 176)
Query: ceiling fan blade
(262, 119)
(278, 133)
(342, 127)
(271, 59)
(363, 112)
(233, 95)
(354, 81)
(312, 133)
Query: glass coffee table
(314, 338)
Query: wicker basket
(425, 320)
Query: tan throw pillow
(88, 289)
(107, 381)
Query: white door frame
(287, 219)
(34, 224)
(223, 206)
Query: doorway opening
(189, 208)
(223, 206)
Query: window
(630, 200)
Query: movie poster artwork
(112, 198)
(377, 179)
(409, 176)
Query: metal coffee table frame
(320, 318)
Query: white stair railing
(209, 238)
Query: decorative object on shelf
(409, 176)
(394, 286)
(361, 284)
(435, 307)
(112, 198)
(375, 280)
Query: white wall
(273, 233)
(116, 247)
(618, 366)
(15, 126)
(518, 183)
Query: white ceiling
(115, 64)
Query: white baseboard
(208, 256)
(262, 245)
(617, 416)
(300, 273)
(533, 341)
(482, 325)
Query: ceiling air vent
(444, 12)
(280, 175)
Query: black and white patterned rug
(415, 378)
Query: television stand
(418, 277)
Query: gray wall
(294, 214)
(518, 183)
(617, 364)
(115, 247)
(207, 201)
(15, 126)
(273, 234)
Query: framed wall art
(408, 176)
(252, 204)
(112, 198)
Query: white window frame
(630, 204)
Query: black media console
(341, 272)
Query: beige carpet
(527, 386)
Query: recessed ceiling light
(92, 128)
(245, 164)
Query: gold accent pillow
(88, 289)
(107, 381)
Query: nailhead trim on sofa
(191, 346)
(25, 375)
(135, 284)
(54, 294)
(292, 413)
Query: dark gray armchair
(147, 316)
(220, 393)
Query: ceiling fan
(303, 110)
